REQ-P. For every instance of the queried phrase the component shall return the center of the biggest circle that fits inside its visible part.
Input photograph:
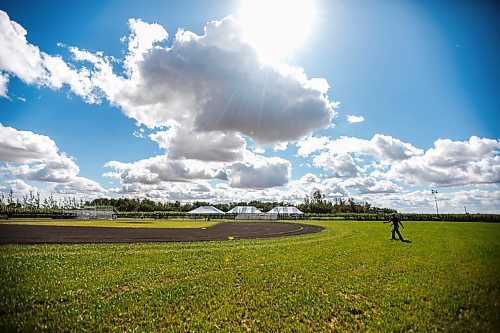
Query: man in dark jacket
(395, 222)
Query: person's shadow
(406, 241)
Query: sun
(276, 28)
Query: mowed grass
(348, 278)
(117, 223)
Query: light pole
(435, 200)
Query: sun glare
(276, 28)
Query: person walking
(395, 222)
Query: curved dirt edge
(33, 234)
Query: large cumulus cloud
(212, 83)
(452, 163)
(31, 156)
(160, 168)
(25, 146)
(448, 163)
(253, 172)
(210, 91)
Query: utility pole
(434, 192)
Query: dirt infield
(32, 234)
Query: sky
(222, 101)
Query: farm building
(93, 212)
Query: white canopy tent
(289, 210)
(244, 210)
(206, 210)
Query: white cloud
(383, 147)
(259, 172)
(346, 144)
(390, 149)
(182, 143)
(25, 146)
(365, 185)
(157, 169)
(31, 156)
(213, 86)
(139, 133)
(448, 153)
(164, 138)
(311, 144)
(163, 191)
(33, 66)
(449, 163)
(309, 178)
(61, 169)
(17, 186)
(79, 82)
(212, 83)
(382, 193)
(141, 40)
(281, 146)
(79, 186)
(253, 172)
(474, 200)
(17, 56)
(309, 183)
(343, 164)
(452, 163)
(4, 80)
(355, 119)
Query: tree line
(32, 202)
(315, 206)
(316, 203)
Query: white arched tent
(250, 213)
(286, 213)
(244, 210)
(285, 210)
(205, 211)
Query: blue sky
(406, 100)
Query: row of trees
(314, 204)
(146, 205)
(32, 202)
(318, 204)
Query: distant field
(118, 223)
(348, 278)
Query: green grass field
(118, 223)
(349, 278)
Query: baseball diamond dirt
(32, 234)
